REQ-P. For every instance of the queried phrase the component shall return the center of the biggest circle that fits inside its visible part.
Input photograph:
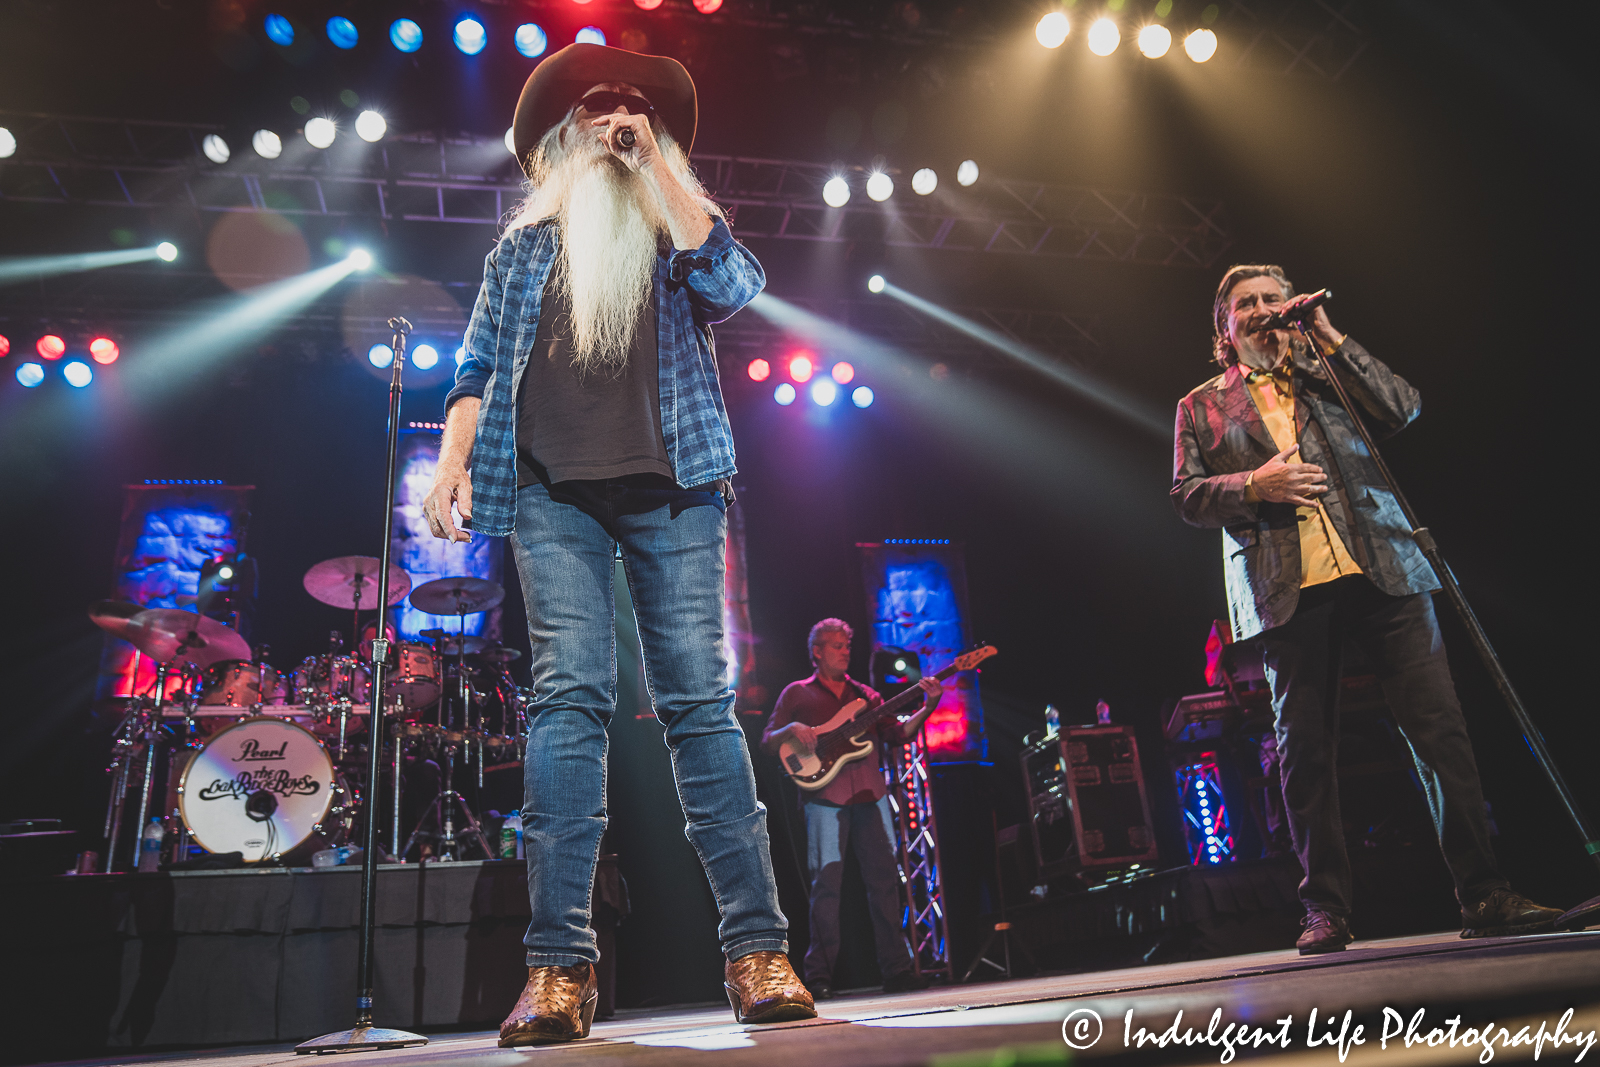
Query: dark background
(1442, 187)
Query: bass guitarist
(851, 810)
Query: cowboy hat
(557, 83)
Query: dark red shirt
(811, 702)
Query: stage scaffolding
(917, 832)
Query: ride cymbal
(335, 581)
(457, 596)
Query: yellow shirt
(1323, 556)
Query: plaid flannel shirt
(693, 289)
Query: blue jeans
(869, 829)
(673, 545)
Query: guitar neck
(897, 704)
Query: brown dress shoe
(556, 1005)
(763, 988)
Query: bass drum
(260, 788)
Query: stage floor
(1512, 982)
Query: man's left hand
(1327, 336)
(932, 693)
(644, 152)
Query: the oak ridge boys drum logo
(280, 782)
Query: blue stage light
(784, 394)
(862, 397)
(279, 30)
(424, 357)
(531, 40)
(342, 32)
(405, 35)
(461, 355)
(824, 392)
(470, 36)
(380, 356)
(30, 375)
(77, 374)
(591, 35)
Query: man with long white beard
(588, 412)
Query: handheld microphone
(1297, 310)
(626, 138)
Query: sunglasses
(604, 103)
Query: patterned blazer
(1220, 438)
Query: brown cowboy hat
(557, 83)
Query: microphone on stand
(1297, 310)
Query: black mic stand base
(361, 1039)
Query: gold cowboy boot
(556, 1005)
(763, 988)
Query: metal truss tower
(923, 914)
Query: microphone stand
(364, 1036)
(1480, 640)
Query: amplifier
(1086, 800)
(1202, 716)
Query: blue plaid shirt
(693, 289)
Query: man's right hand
(1299, 484)
(803, 736)
(451, 484)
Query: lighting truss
(473, 180)
(923, 914)
(1318, 37)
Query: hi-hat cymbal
(169, 635)
(497, 654)
(335, 581)
(457, 596)
(450, 643)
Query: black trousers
(1303, 660)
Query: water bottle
(1052, 721)
(150, 846)
(1102, 713)
(511, 837)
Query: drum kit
(269, 764)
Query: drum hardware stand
(364, 1035)
(1002, 929)
(442, 811)
(394, 847)
(1480, 640)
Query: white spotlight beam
(14, 269)
(1105, 395)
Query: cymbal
(115, 617)
(498, 654)
(170, 635)
(335, 581)
(450, 643)
(457, 596)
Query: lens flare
(1052, 29)
(342, 32)
(405, 35)
(104, 350)
(824, 392)
(50, 346)
(77, 373)
(424, 357)
(380, 356)
(783, 394)
(470, 36)
(759, 370)
(530, 40)
(843, 373)
(862, 397)
(31, 374)
(279, 30)
(801, 367)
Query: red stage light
(707, 7)
(758, 370)
(51, 347)
(800, 366)
(843, 373)
(104, 350)
(5, 345)
(580, 2)
(648, 5)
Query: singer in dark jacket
(1316, 552)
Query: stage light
(1052, 29)
(470, 36)
(405, 35)
(5, 346)
(166, 251)
(215, 148)
(591, 35)
(31, 374)
(77, 374)
(342, 32)
(1201, 45)
(759, 370)
(707, 7)
(783, 394)
(511, 139)
(279, 30)
(225, 573)
(380, 356)
(424, 357)
(1104, 37)
(967, 173)
(843, 373)
(50, 347)
(836, 192)
(581, 3)
(1154, 40)
(267, 144)
(530, 40)
(924, 182)
(879, 186)
(461, 355)
(360, 259)
(647, 5)
(875, 284)
(824, 392)
(800, 367)
(104, 350)
(320, 132)
(862, 397)
(371, 126)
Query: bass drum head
(259, 787)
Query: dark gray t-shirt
(603, 424)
